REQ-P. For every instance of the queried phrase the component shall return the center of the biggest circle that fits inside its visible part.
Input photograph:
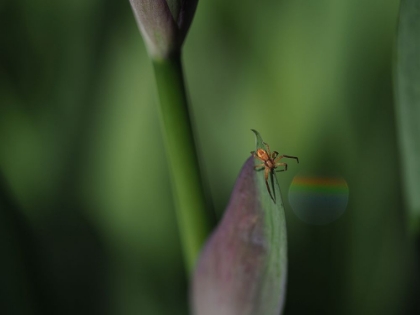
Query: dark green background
(87, 223)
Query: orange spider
(270, 163)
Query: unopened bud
(242, 268)
(163, 24)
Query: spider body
(271, 161)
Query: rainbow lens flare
(318, 200)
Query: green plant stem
(192, 210)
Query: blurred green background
(87, 223)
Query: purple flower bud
(163, 24)
(242, 268)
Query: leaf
(407, 87)
(242, 268)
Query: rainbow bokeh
(318, 200)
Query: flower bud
(163, 24)
(242, 268)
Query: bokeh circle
(318, 200)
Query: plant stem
(192, 210)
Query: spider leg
(266, 173)
(274, 155)
(268, 148)
(259, 167)
(286, 156)
(282, 164)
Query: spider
(270, 162)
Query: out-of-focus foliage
(407, 83)
(87, 219)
